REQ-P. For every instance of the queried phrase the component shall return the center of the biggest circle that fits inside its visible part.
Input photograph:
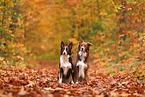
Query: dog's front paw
(60, 81)
(72, 82)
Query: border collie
(65, 65)
(81, 64)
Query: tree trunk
(122, 20)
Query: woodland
(31, 32)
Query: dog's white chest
(64, 63)
(81, 64)
(82, 55)
(82, 67)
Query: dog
(82, 62)
(65, 65)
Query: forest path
(49, 65)
(100, 84)
(42, 82)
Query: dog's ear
(62, 44)
(89, 44)
(70, 45)
(81, 40)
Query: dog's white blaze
(64, 63)
(82, 67)
(65, 51)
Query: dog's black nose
(82, 49)
(64, 53)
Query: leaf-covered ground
(42, 82)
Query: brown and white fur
(66, 65)
(82, 62)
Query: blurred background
(33, 30)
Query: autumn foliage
(31, 32)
